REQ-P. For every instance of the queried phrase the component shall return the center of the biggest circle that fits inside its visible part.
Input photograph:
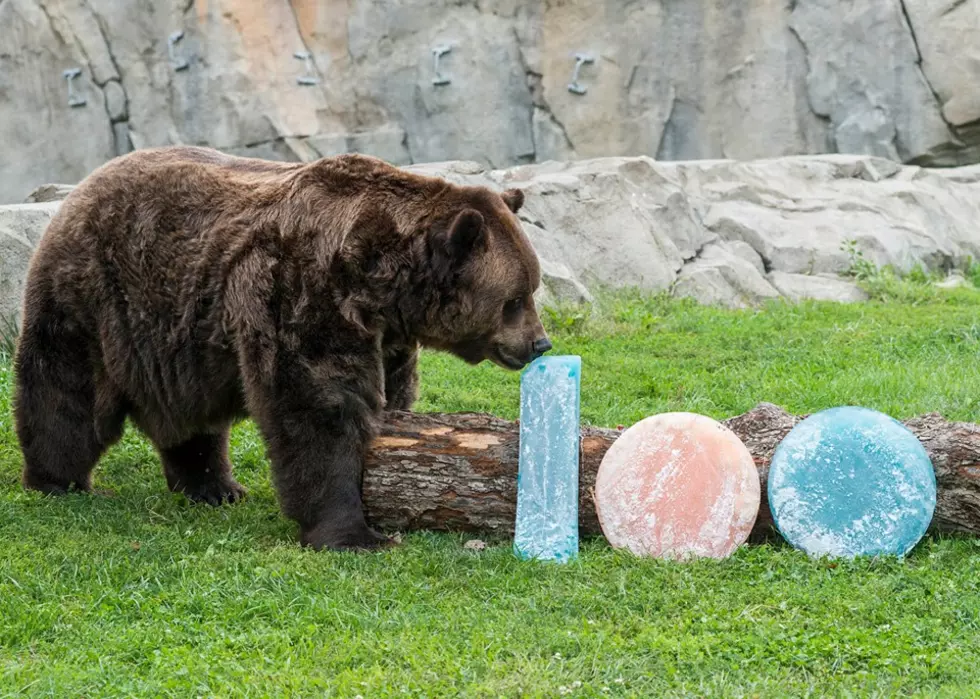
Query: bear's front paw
(214, 492)
(328, 535)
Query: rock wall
(898, 79)
(725, 232)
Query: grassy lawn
(143, 594)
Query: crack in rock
(825, 117)
(533, 80)
(122, 144)
(120, 121)
(51, 23)
(698, 252)
(665, 130)
(918, 63)
(953, 6)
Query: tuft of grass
(142, 594)
(9, 331)
(566, 317)
(972, 272)
(915, 287)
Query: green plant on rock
(918, 275)
(859, 266)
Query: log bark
(458, 471)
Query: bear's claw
(324, 537)
(215, 493)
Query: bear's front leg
(318, 419)
(401, 377)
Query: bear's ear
(465, 233)
(451, 247)
(514, 199)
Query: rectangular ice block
(547, 478)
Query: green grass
(645, 355)
(143, 594)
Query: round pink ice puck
(677, 485)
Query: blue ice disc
(849, 482)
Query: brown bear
(188, 289)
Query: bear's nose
(540, 346)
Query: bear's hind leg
(200, 469)
(65, 420)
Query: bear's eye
(512, 309)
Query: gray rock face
(719, 276)
(798, 287)
(21, 227)
(676, 81)
(43, 137)
(946, 35)
(723, 232)
(866, 79)
(48, 192)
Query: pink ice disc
(677, 485)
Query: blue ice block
(547, 478)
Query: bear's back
(140, 256)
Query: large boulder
(720, 230)
(723, 232)
(21, 227)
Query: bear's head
(485, 272)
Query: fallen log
(458, 471)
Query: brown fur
(188, 289)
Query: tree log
(458, 472)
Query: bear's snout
(539, 347)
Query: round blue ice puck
(851, 481)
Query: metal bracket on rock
(73, 99)
(580, 60)
(308, 78)
(177, 62)
(437, 53)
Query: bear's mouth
(504, 360)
